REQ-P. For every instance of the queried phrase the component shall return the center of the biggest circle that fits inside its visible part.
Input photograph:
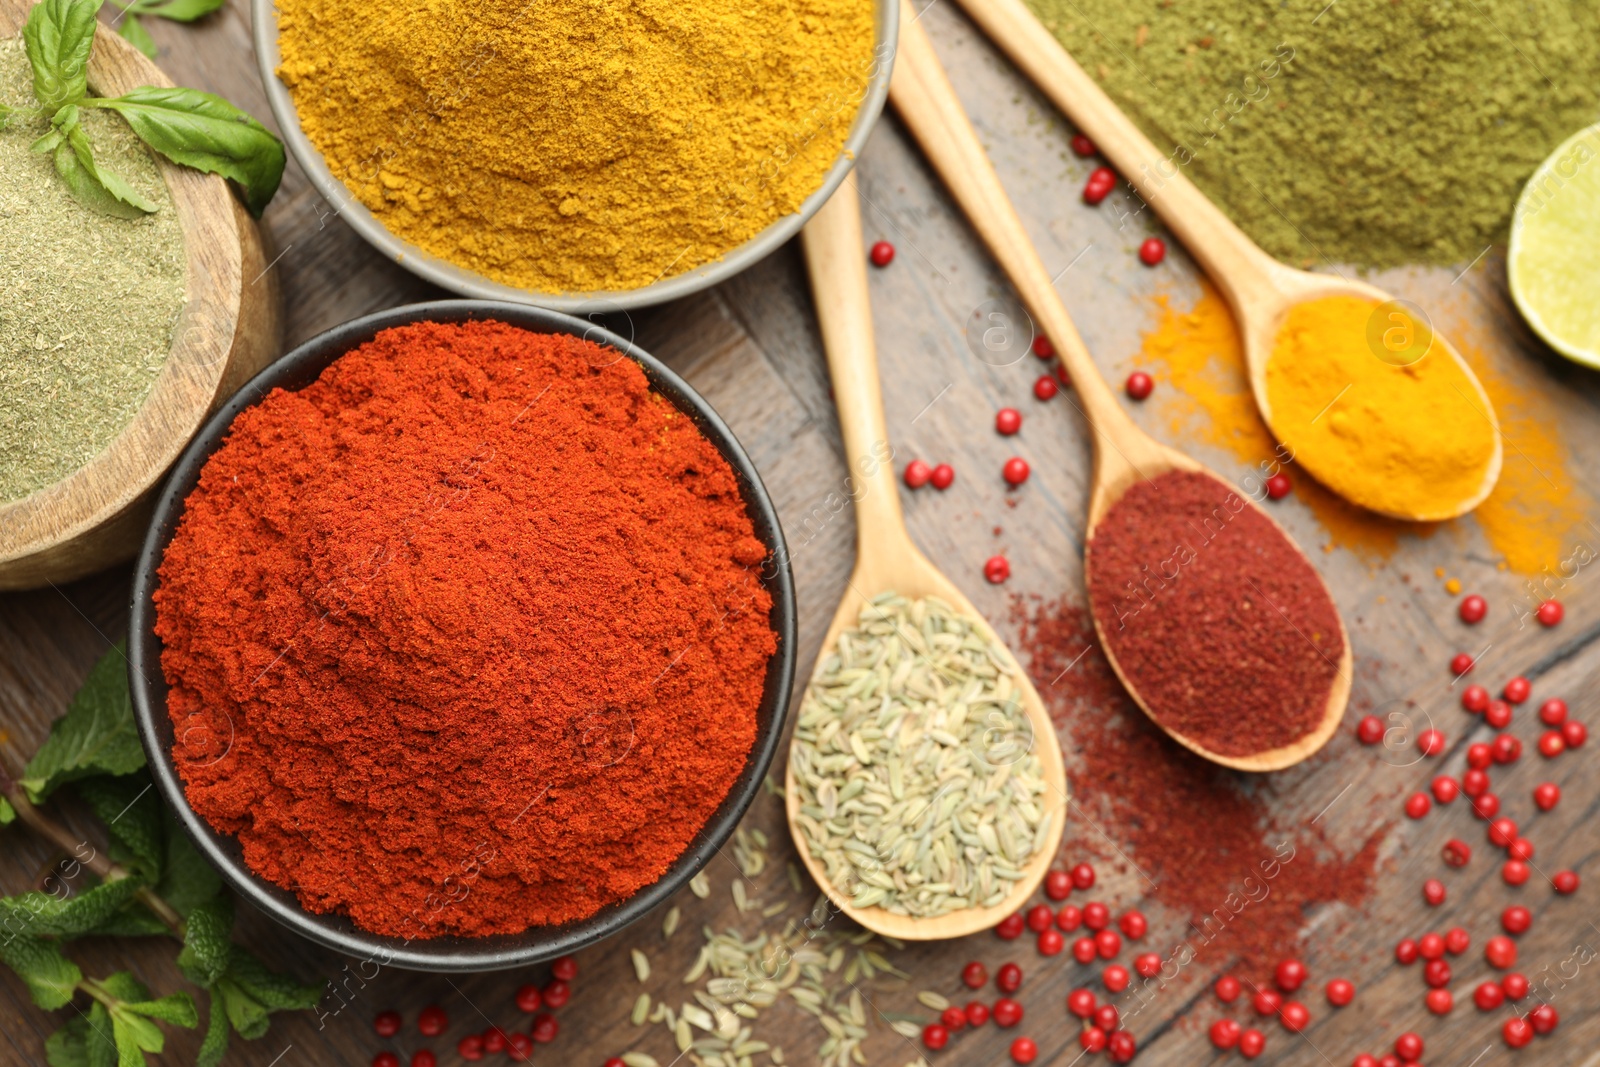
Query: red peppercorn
(1514, 872)
(1106, 1017)
(1295, 1016)
(470, 1048)
(1139, 385)
(1553, 712)
(1006, 1012)
(1045, 387)
(1488, 996)
(1341, 991)
(1122, 1046)
(1473, 608)
(386, 1059)
(1279, 486)
(1266, 1002)
(1083, 950)
(1081, 1003)
(1408, 1046)
(1101, 181)
(974, 975)
(1290, 975)
(1389, 1059)
(1517, 1032)
(1108, 943)
(545, 1028)
(1439, 1001)
(1506, 749)
(1457, 853)
(1092, 1039)
(1148, 964)
(1515, 986)
(1498, 714)
(1365, 1059)
(1479, 756)
(1575, 733)
(1010, 928)
(917, 474)
(1457, 941)
(935, 1036)
(1040, 917)
(387, 1023)
(996, 569)
(1430, 946)
(528, 999)
(1460, 664)
(1418, 805)
(1015, 471)
(1133, 924)
(1552, 743)
(942, 477)
(1430, 742)
(1251, 1043)
(1502, 832)
(1096, 916)
(1516, 919)
(1549, 613)
(1224, 1033)
(1433, 892)
(615, 1061)
(1069, 918)
(977, 1013)
(494, 1040)
(1042, 346)
(1081, 145)
(424, 1057)
(1116, 978)
(519, 1046)
(1565, 882)
(556, 993)
(1227, 988)
(432, 1021)
(1051, 942)
(1544, 1018)
(1475, 698)
(1023, 1050)
(1445, 789)
(1152, 251)
(1501, 952)
(1057, 885)
(882, 254)
(953, 1019)
(1474, 782)
(564, 968)
(1008, 979)
(1369, 730)
(1520, 849)
(1518, 689)
(1406, 951)
(1486, 805)
(1436, 973)
(1083, 876)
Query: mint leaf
(42, 915)
(215, 1046)
(131, 920)
(96, 735)
(59, 36)
(67, 1047)
(135, 1036)
(8, 814)
(122, 986)
(175, 1008)
(133, 31)
(187, 880)
(207, 942)
(245, 1013)
(274, 991)
(206, 132)
(132, 816)
(50, 977)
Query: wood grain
(228, 329)
(752, 347)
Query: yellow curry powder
(574, 144)
(1402, 437)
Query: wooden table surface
(751, 347)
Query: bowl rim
(147, 685)
(467, 283)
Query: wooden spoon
(1124, 454)
(1258, 288)
(886, 557)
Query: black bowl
(148, 685)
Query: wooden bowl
(228, 329)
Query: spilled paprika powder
(466, 636)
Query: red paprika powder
(1218, 622)
(467, 636)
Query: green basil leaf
(68, 1046)
(215, 1046)
(187, 880)
(206, 132)
(245, 1014)
(207, 942)
(96, 735)
(100, 1042)
(175, 1008)
(133, 31)
(183, 10)
(135, 1036)
(51, 978)
(48, 143)
(274, 991)
(78, 138)
(59, 36)
(8, 814)
(132, 816)
(42, 915)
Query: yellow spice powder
(576, 144)
(1397, 437)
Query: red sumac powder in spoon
(1216, 619)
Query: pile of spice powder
(1138, 785)
(475, 614)
(90, 300)
(1216, 619)
(575, 146)
(1413, 125)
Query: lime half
(1554, 261)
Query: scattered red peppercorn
(1290, 975)
(1506, 749)
(432, 1021)
(1475, 698)
(1516, 919)
(1010, 928)
(1515, 986)
(1473, 608)
(1006, 1012)
(1227, 989)
(882, 254)
(1083, 950)
(974, 975)
(1106, 1017)
(386, 1059)
(1408, 1046)
(1501, 952)
(1552, 743)
(1365, 1059)
(1488, 996)
(1045, 387)
(1122, 1046)
(1445, 789)
(977, 1013)
(1553, 712)
(1418, 805)
(1266, 1002)
(942, 477)
(1057, 885)
(1406, 951)
(1544, 1018)
(1108, 943)
(1517, 1032)
(1294, 1016)
(1460, 664)
(1015, 471)
(1486, 805)
(1051, 942)
(1502, 832)
(1092, 1039)
(1224, 1033)
(1040, 917)
(1457, 941)
(1069, 918)
(1430, 946)
(996, 569)
(935, 1036)
(1549, 613)
(1083, 876)
(1116, 978)
(1518, 689)
(494, 1040)
(556, 993)
(1431, 742)
(1389, 1059)
(1340, 992)
(1479, 756)
(615, 1061)
(1497, 714)
(519, 1046)
(1279, 486)
(1514, 872)
(424, 1057)
(1023, 1050)
(1433, 892)
(953, 1018)
(1457, 853)
(916, 474)
(1101, 181)
(1252, 1043)
(1436, 973)
(545, 1028)
(1520, 849)
(1565, 882)
(1008, 979)
(1139, 385)
(528, 999)
(1133, 924)
(1081, 145)
(387, 1023)
(1096, 916)
(1439, 1001)
(1575, 733)
(1152, 251)
(1474, 782)
(470, 1048)
(1148, 964)
(1369, 730)
(1042, 346)
(1081, 1002)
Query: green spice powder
(87, 302)
(1376, 132)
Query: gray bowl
(264, 19)
(149, 688)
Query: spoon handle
(836, 261)
(1232, 259)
